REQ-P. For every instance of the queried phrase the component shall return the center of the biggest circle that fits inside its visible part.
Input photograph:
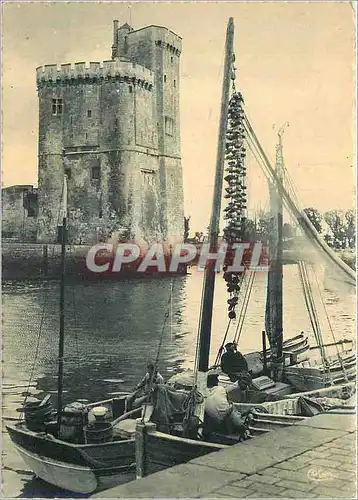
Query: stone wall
(19, 213)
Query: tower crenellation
(52, 73)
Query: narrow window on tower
(89, 113)
(30, 203)
(57, 106)
(171, 59)
(168, 125)
(96, 172)
(165, 78)
(31, 212)
(175, 83)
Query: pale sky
(295, 63)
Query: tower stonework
(113, 128)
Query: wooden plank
(176, 439)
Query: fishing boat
(77, 447)
(288, 383)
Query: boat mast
(275, 281)
(209, 275)
(62, 305)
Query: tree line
(339, 230)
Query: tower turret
(115, 40)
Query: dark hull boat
(80, 448)
(77, 467)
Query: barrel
(36, 416)
(73, 418)
(98, 432)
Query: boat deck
(315, 458)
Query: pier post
(264, 351)
(45, 260)
(141, 434)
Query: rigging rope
(292, 203)
(297, 214)
(241, 320)
(331, 328)
(303, 284)
(76, 332)
(221, 348)
(166, 316)
(312, 313)
(242, 317)
(42, 318)
(36, 354)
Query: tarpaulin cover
(182, 380)
(309, 407)
(169, 407)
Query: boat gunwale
(78, 446)
(170, 437)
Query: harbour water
(113, 329)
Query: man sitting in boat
(220, 414)
(235, 365)
(143, 390)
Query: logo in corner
(318, 474)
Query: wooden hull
(311, 376)
(309, 379)
(64, 475)
(83, 468)
(164, 450)
(295, 350)
(293, 344)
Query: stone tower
(114, 129)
